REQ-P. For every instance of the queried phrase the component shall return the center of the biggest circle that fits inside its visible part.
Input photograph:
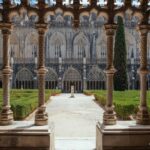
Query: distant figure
(72, 91)
(21, 87)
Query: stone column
(41, 117)
(109, 117)
(94, 58)
(60, 72)
(6, 117)
(143, 115)
(84, 74)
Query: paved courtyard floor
(74, 121)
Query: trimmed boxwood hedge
(125, 102)
(24, 102)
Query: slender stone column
(60, 72)
(41, 117)
(6, 117)
(143, 115)
(84, 74)
(109, 117)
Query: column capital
(7, 70)
(41, 27)
(110, 71)
(144, 71)
(42, 71)
(143, 29)
(6, 27)
(76, 24)
(110, 29)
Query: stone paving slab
(74, 121)
(74, 117)
(75, 143)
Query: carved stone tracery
(110, 10)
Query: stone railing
(66, 61)
(24, 60)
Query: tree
(120, 58)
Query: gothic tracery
(35, 13)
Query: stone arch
(57, 46)
(72, 77)
(93, 10)
(96, 78)
(51, 75)
(17, 13)
(67, 13)
(128, 13)
(59, 11)
(13, 14)
(51, 79)
(119, 14)
(47, 16)
(104, 15)
(31, 45)
(139, 16)
(72, 74)
(85, 13)
(59, 19)
(96, 74)
(81, 46)
(24, 79)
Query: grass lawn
(23, 102)
(126, 102)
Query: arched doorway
(95, 79)
(51, 79)
(72, 77)
(24, 79)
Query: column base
(41, 118)
(24, 135)
(125, 135)
(72, 96)
(109, 118)
(143, 117)
(6, 117)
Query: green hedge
(24, 102)
(125, 102)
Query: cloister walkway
(74, 120)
